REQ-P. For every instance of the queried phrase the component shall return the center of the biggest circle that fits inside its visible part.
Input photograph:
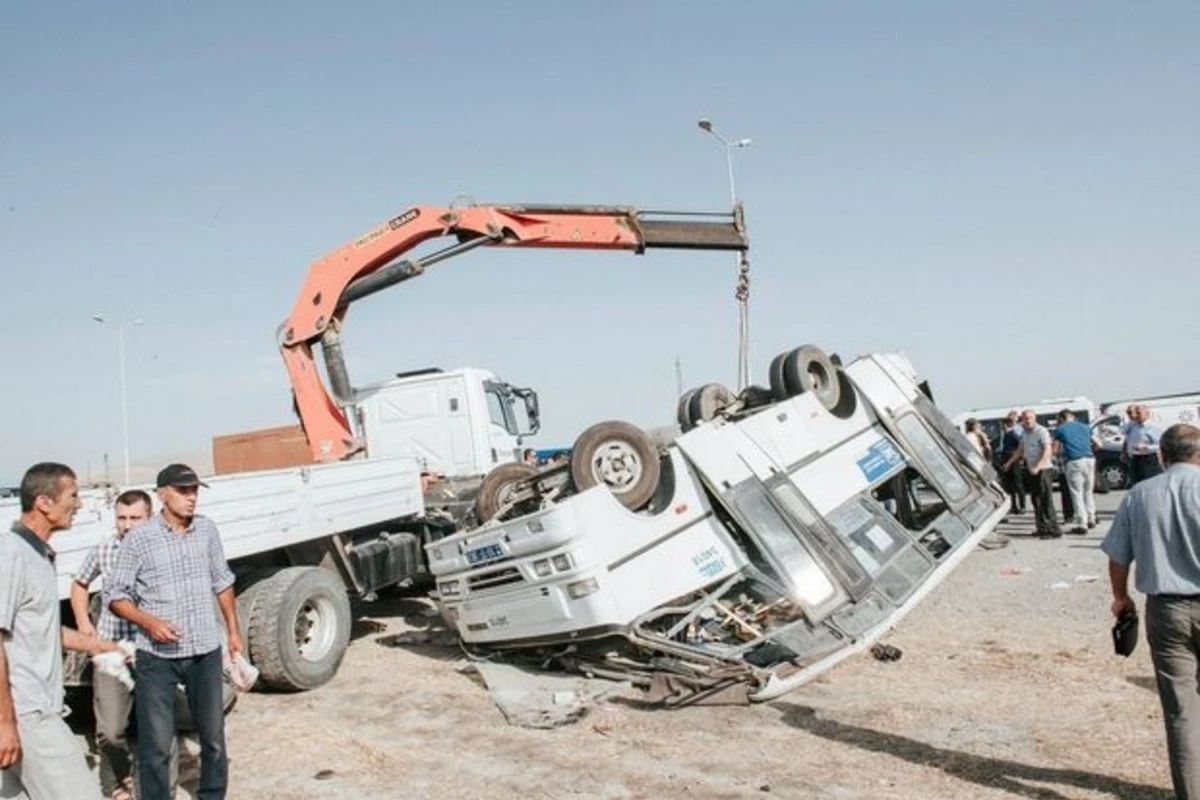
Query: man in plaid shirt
(111, 700)
(164, 579)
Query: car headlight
(583, 588)
(562, 562)
(448, 588)
(542, 567)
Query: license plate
(486, 553)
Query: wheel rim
(315, 628)
(617, 465)
(818, 377)
(1113, 476)
(505, 494)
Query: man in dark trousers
(1012, 471)
(1158, 526)
(166, 574)
(1037, 452)
(1141, 446)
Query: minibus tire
(847, 402)
(775, 378)
(808, 369)
(625, 453)
(496, 484)
(707, 401)
(683, 414)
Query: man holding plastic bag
(166, 574)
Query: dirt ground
(1007, 688)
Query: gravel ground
(1007, 688)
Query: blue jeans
(154, 705)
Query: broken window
(933, 458)
(813, 586)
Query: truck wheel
(1114, 475)
(710, 398)
(808, 369)
(298, 627)
(496, 490)
(617, 455)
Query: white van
(1165, 411)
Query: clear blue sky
(1006, 192)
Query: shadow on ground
(1011, 776)
(371, 618)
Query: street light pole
(124, 391)
(730, 145)
(742, 262)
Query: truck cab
(781, 541)
(461, 422)
(457, 423)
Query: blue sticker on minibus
(881, 458)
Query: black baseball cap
(179, 475)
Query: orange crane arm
(369, 263)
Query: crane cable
(742, 294)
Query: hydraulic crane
(373, 262)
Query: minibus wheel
(683, 413)
(497, 488)
(706, 401)
(808, 369)
(619, 456)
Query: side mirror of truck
(532, 411)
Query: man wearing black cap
(166, 574)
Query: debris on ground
(886, 652)
(529, 699)
(438, 637)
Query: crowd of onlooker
(1157, 525)
(1032, 458)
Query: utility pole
(678, 378)
(100, 318)
(741, 262)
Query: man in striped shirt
(111, 700)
